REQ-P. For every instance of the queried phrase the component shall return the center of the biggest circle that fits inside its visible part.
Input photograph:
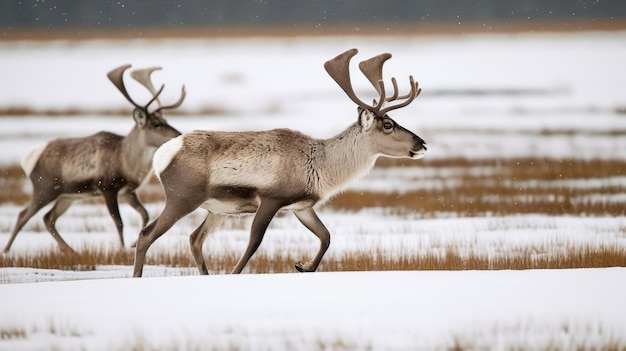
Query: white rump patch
(30, 159)
(165, 153)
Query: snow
(568, 84)
(379, 310)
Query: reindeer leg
(310, 220)
(262, 219)
(133, 201)
(50, 219)
(173, 211)
(110, 198)
(198, 237)
(33, 207)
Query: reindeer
(103, 164)
(262, 172)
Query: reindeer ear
(140, 117)
(366, 119)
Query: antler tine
(395, 90)
(177, 103)
(415, 91)
(373, 69)
(395, 96)
(338, 69)
(156, 96)
(116, 77)
(143, 77)
(381, 100)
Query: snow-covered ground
(564, 309)
(528, 95)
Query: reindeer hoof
(304, 267)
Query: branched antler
(143, 77)
(338, 69)
(116, 76)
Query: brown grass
(376, 260)
(12, 181)
(503, 187)
(13, 111)
(503, 190)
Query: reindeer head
(388, 137)
(152, 127)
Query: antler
(183, 94)
(116, 76)
(373, 69)
(338, 69)
(142, 76)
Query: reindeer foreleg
(310, 220)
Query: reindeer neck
(342, 159)
(136, 156)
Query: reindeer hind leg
(110, 198)
(29, 211)
(174, 210)
(50, 219)
(197, 238)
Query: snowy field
(495, 96)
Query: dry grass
(14, 111)
(500, 187)
(375, 260)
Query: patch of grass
(465, 188)
(486, 199)
(52, 327)
(522, 168)
(68, 112)
(573, 257)
(501, 187)
(13, 111)
(523, 335)
(12, 182)
(375, 260)
(12, 333)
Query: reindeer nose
(422, 143)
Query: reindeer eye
(388, 126)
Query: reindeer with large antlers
(103, 164)
(230, 173)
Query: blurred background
(317, 16)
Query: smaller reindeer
(103, 164)
(230, 173)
